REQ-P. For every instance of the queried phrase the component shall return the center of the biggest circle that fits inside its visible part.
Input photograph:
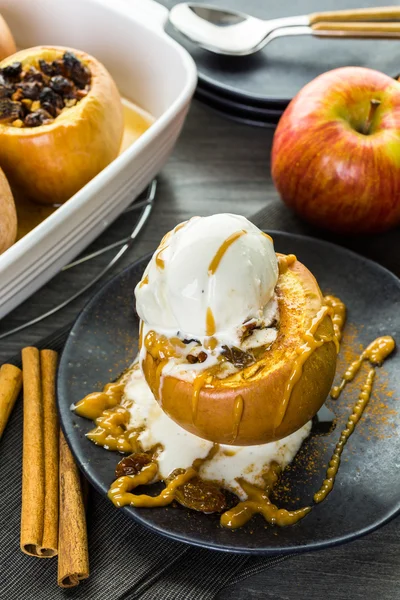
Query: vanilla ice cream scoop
(207, 277)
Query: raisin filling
(31, 96)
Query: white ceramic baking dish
(150, 69)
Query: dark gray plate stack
(256, 89)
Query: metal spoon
(238, 34)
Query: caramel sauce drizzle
(213, 266)
(112, 421)
(356, 415)
(163, 245)
(285, 261)
(311, 343)
(375, 353)
(258, 502)
(144, 281)
(338, 314)
(141, 334)
(161, 349)
(93, 405)
(238, 408)
(197, 387)
(210, 323)
(120, 491)
(111, 430)
(267, 236)
(159, 261)
(159, 346)
(180, 226)
(210, 343)
(337, 310)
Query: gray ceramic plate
(103, 342)
(276, 73)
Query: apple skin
(326, 170)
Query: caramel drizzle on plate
(375, 353)
(93, 405)
(258, 502)
(338, 314)
(352, 421)
(213, 266)
(111, 415)
(111, 430)
(120, 490)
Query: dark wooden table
(221, 166)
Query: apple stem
(372, 110)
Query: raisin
(69, 60)
(33, 75)
(202, 356)
(74, 69)
(192, 359)
(46, 67)
(12, 72)
(58, 67)
(50, 108)
(200, 495)
(37, 118)
(47, 95)
(5, 91)
(9, 110)
(132, 464)
(61, 85)
(51, 69)
(30, 89)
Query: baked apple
(7, 44)
(8, 215)
(61, 121)
(234, 350)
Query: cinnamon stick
(32, 514)
(39, 515)
(48, 360)
(73, 555)
(10, 387)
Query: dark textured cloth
(128, 561)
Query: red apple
(336, 151)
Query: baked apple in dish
(61, 121)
